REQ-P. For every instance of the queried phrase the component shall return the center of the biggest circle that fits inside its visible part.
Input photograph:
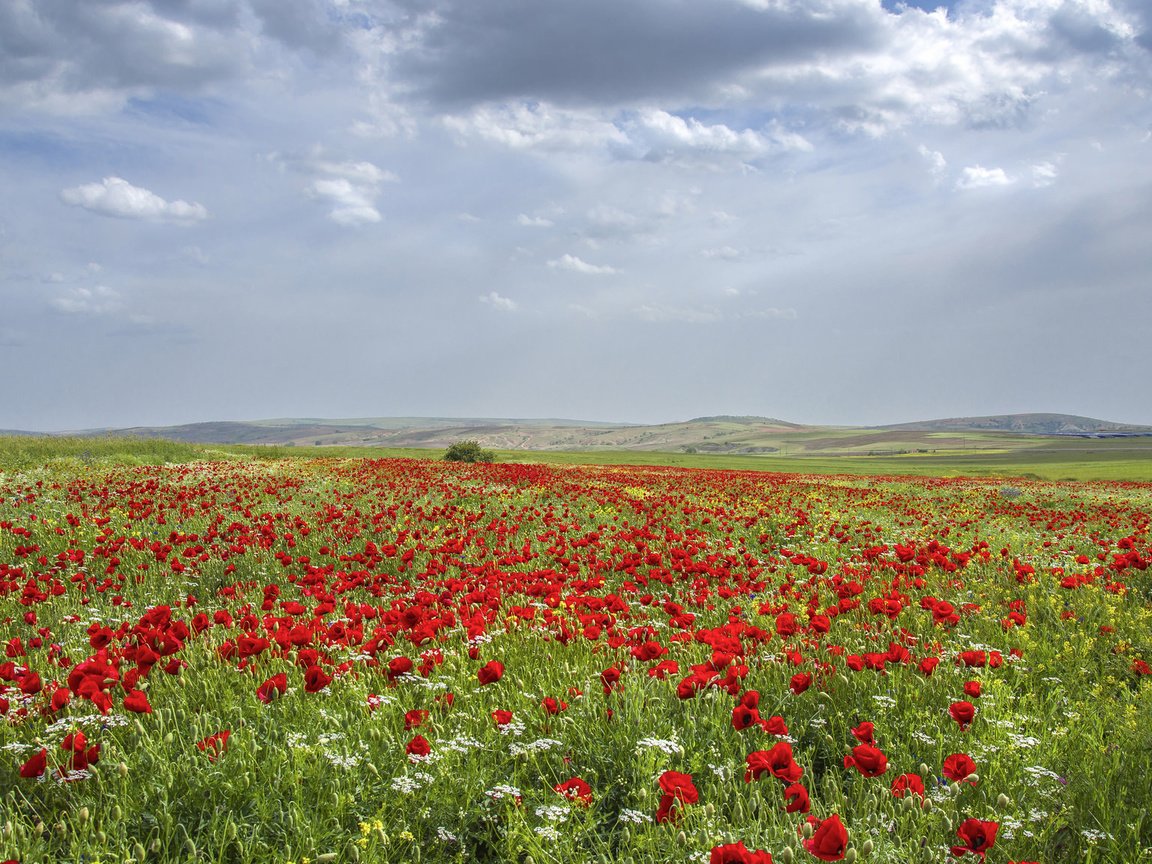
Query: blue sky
(828, 211)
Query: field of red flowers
(320, 661)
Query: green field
(1123, 459)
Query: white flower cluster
(553, 813)
(503, 790)
(636, 817)
(461, 744)
(409, 783)
(672, 747)
(537, 746)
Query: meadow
(234, 656)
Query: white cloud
(531, 126)
(115, 196)
(979, 177)
(496, 301)
(351, 188)
(1044, 174)
(659, 314)
(658, 132)
(82, 300)
(937, 164)
(724, 253)
(577, 265)
(534, 221)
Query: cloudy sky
(826, 211)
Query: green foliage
(468, 451)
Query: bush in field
(468, 451)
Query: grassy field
(1121, 460)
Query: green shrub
(468, 451)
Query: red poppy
(417, 748)
(963, 713)
(575, 790)
(415, 717)
(797, 797)
(737, 853)
(502, 717)
(490, 672)
(137, 701)
(906, 783)
(800, 682)
(35, 766)
(868, 760)
(778, 761)
(316, 679)
(864, 733)
(958, 767)
(978, 837)
(829, 842)
(553, 705)
(275, 686)
(214, 744)
(972, 689)
(679, 786)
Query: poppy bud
(785, 856)
(326, 858)
(850, 857)
(117, 813)
(972, 778)
(101, 837)
(923, 770)
(138, 852)
(83, 815)
(354, 854)
(806, 830)
(1002, 801)
(867, 846)
(926, 804)
(682, 839)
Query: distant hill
(1025, 424)
(721, 434)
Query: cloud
(937, 164)
(114, 196)
(537, 126)
(723, 253)
(82, 300)
(979, 177)
(496, 301)
(576, 265)
(1044, 174)
(350, 188)
(534, 221)
(660, 134)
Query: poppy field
(305, 661)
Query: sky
(826, 211)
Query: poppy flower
(778, 761)
(906, 783)
(214, 744)
(864, 733)
(737, 853)
(775, 725)
(829, 842)
(275, 686)
(417, 748)
(490, 672)
(800, 682)
(963, 713)
(137, 701)
(502, 717)
(576, 790)
(977, 836)
(553, 705)
(35, 766)
(972, 689)
(415, 717)
(797, 797)
(679, 786)
(868, 760)
(958, 767)
(316, 679)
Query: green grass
(1126, 460)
